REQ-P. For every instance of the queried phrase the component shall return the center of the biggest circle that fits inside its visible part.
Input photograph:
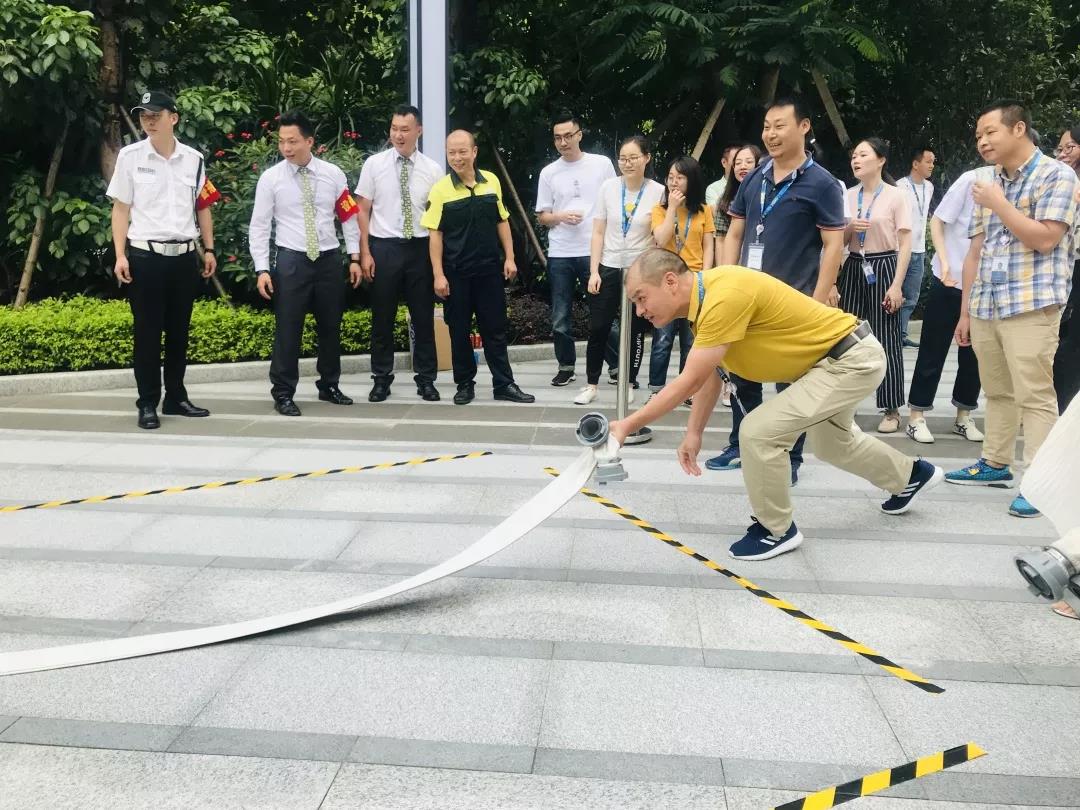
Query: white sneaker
(587, 395)
(917, 430)
(968, 430)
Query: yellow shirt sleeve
(432, 218)
(723, 319)
(491, 178)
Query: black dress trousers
(162, 293)
(481, 294)
(301, 286)
(402, 266)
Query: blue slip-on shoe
(1021, 507)
(728, 460)
(760, 544)
(981, 474)
(924, 475)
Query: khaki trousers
(1016, 366)
(822, 404)
(1069, 545)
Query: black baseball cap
(155, 101)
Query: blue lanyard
(1005, 237)
(780, 192)
(919, 200)
(627, 217)
(862, 234)
(700, 296)
(686, 231)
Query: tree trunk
(110, 86)
(706, 131)
(39, 225)
(770, 80)
(529, 230)
(830, 107)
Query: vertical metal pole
(622, 394)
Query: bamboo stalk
(39, 226)
(529, 230)
(706, 131)
(830, 107)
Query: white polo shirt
(955, 211)
(380, 182)
(279, 200)
(572, 186)
(161, 192)
(919, 195)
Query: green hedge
(82, 333)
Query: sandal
(1063, 609)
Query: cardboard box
(442, 341)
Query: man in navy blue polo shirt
(787, 220)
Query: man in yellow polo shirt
(763, 330)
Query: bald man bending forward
(763, 330)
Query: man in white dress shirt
(160, 205)
(392, 195)
(302, 196)
(920, 191)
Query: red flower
(320, 150)
(219, 153)
(277, 117)
(232, 258)
(254, 167)
(264, 124)
(230, 136)
(226, 199)
(246, 136)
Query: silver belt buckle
(169, 249)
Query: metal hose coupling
(1050, 575)
(592, 429)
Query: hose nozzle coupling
(592, 430)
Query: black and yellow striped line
(877, 782)
(778, 603)
(413, 462)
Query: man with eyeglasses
(161, 202)
(564, 202)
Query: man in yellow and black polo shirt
(467, 223)
(763, 330)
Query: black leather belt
(851, 339)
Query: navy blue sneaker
(760, 544)
(924, 475)
(728, 460)
(794, 474)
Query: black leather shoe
(183, 407)
(148, 418)
(511, 393)
(466, 393)
(333, 394)
(428, 391)
(379, 391)
(286, 407)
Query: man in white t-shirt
(564, 205)
(920, 192)
(949, 231)
(715, 190)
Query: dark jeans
(402, 265)
(939, 324)
(481, 295)
(563, 274)
(301, 286)
(911, 288)
(660, 358)
(161, 294)
(750, 395)
(1067, 359)
(602, 308)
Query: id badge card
(754, 255)
(999, 270)
(868, 271)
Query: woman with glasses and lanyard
(622, 229)
(683, 224)
(872, 278)
(745, 161)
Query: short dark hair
(918, 152)
(802, 111)
(297, 118)
(408, 109)
(1012, 111)
(689, 168)
(565, 118)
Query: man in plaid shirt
(1017, 275)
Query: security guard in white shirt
(301, 196)
(392, 196)
(161, 204)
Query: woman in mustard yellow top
(682, 222)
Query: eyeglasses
(631, 159)
(567, 138)
(1064, 150)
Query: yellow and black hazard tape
(780, 604)
(877, 782)
(413, 462)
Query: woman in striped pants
(871, 279)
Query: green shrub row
(81, 333)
